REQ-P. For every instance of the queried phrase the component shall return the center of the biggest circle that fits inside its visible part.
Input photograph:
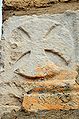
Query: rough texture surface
(63, 114)
(40, 64)
(51, 8)
(38, 48)
(22, 4)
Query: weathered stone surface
(59, 93)
(54, 114)
(29, 3)
(23, 4)
(40, 55)
(38, 47)
(37, 102)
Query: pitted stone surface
(40, 55)
(34, 40)
(39, 46)
(17, 4)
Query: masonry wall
(39, 65)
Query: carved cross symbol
(40, 36)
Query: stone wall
(39, 63)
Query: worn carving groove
(58, 54)
(20, 28)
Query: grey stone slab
(39, 46)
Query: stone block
(28, 3)
(40, 56)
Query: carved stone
(39, 47)
(41, 54)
